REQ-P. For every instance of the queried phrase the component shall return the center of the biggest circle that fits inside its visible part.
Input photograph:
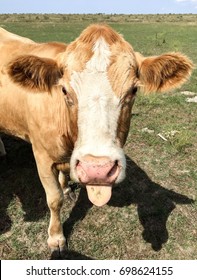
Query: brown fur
(35, 73)
(165, 72)
(124, 121)
(92, 33)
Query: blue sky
(98, 6)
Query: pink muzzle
(97, 170)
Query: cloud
(193, 1)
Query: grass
(153, 213)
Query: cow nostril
(113, 169)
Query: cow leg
(54, 195)
(2, 149)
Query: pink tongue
(99, 195)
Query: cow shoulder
(35, 73)
(8, 36)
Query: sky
(99, 6)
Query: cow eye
(68, 98)
(64, 91)
(134, 91)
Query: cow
(73, 104)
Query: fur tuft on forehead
(91, 34)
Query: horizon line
(42, 13)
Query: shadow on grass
(154, 204)
(18, 177)
(70, 255)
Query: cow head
(102, 73)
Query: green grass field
(153, 213)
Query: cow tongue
(99, 195)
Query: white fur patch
(98, 109)
(100, 60)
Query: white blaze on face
(98, 110)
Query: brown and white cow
(73, 104)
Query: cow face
(99, 75)
(104, 88)
(105, 81)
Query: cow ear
(164, 72)
(35, 73)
